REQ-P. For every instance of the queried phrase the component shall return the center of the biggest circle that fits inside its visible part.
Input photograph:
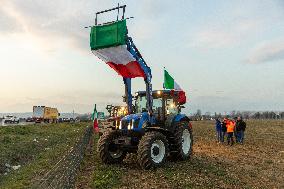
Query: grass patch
(36, 148)
(105, 176)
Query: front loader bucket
(108, 35)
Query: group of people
(230, 128)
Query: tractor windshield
(141, 106)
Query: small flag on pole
(169, 82)
(95, 120)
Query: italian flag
(108, 42)
(169, 82)
(95, 120)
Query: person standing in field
(218, 126)
(224, 129)
(230, 131)
(235, 132)
(240, 130)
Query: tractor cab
(166, 108)
(165, 103)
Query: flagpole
(164, 79)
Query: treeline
(244, 114)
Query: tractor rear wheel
(152, 150)
(108, 151)
(181, 144)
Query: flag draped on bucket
(108, 42)
(169, 82)
(95, 120)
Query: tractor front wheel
(108, 151)
(152, 150)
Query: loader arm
(148, 77)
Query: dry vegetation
(259, 163)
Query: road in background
(14, 124)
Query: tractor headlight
(132, 123)
(119, 125)
(129, 125)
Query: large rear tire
(108, 151)
(181, 144)
(152, 150)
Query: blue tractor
(154, 128)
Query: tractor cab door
(164, 110)
(170, 106)
(158, 110)
(171, 110)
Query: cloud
(52, 23)
(215, 39)
(225, 35)
(267, 52)
(57, 22)
(235, 26)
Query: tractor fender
(173, 119)
(158, 129)
(181, 117)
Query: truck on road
(45, 114)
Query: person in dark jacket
(218, 126)
(240, 130)
(224, 130)
(235, 131)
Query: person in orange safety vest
(230, 124)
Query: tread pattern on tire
(176, 152)
(103, 145)
(144, 149)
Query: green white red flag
(169, 82)
(95, 120)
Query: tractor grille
(136, 123)
(124, 124)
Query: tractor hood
(134, 116)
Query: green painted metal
(108, 35)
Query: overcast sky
(227, 55)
